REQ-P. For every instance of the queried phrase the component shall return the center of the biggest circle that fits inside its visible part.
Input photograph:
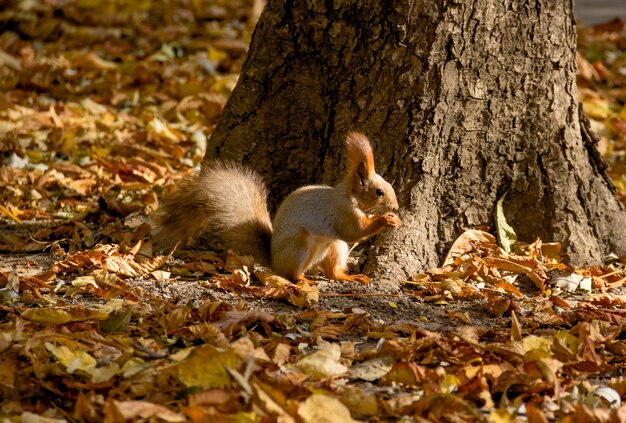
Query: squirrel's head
(373, 194)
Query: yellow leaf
(242, 417)
(597, 109)
(324, 409)
(35, 156)
(134, 366)
(536, 347)
(568, 340)
(104, 373)
(111, 306)
(206, 367)
(216, 55)
(72, 359)
(57, 316)
(81, 281)
(324, 362)
(11, 212)
(161, 128)
(449, 384)
(500, 416)
(272, 404)
(360, 401)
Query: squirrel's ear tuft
(360, 155)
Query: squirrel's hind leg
(335, 264)
(293, 256)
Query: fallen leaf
(516, 329)
(371, 370)
(324, 409)
(58, 316)
(506, 235)
(206, 367)
(466, 243)
(119, 411)
(323, 363)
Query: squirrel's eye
(380, 192)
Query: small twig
(617, 283)
(243, 379)
(611, 274)
(65, 413)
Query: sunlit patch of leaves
(602, 91)
(130, 355)
(104, 105)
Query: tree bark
(464, 101)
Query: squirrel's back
(225, 200)
(312, 207)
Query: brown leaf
(211, 397)
(410, 374)
(535, 414)
(516, 329)
(127, 265)
(237, 320)
(508, 287)
(446, 408)
(508, 265)
(608, 300)
(560, 302)
(463, 317)
(498, 305)
(467, 243)
(119, 411)
(301, 294)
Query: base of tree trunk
(464, 102)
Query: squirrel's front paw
(391, 219)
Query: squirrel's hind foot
(302, 278)
(362, 279)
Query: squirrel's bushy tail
(225, 200)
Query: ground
(105, 106)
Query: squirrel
(315, 224)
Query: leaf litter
(105, 106)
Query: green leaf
(506, 235)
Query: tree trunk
(464, 101)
